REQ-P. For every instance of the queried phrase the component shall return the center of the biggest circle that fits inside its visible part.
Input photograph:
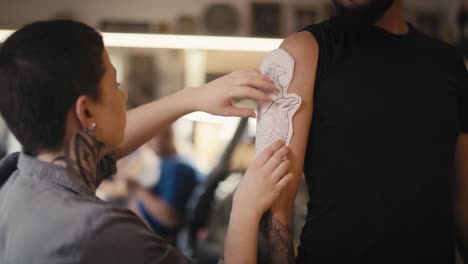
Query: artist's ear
(84, 112)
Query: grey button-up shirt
(48, 215)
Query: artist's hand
(217, 96)
(264, 180)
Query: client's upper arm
(462, 181)
(304, 50)
(288, 118)
(461, 201)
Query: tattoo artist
(60, 98)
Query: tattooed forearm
(81, 155)
(275, 241)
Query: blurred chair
(201, 202)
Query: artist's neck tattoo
(81, 155)
(275, 241)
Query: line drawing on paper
(274, 121)
(274, 72)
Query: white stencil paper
(274, 120)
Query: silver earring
(93, 126)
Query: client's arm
(276, 245)
(461, 201)
(263, 182)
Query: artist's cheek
(116, 120)
(122, 111)
(102, 130)
(105, 121)
(120, 131)
(111, 136)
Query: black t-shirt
(380, 157)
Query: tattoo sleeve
(275, 241)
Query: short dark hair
(44, 68)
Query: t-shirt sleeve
(329, 38)
(320, 35)
(123, 238)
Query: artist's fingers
(256, 79)
(281, 170)
(283, 183)
(241, 92)
(277, 158)
(264, 76)
(238, 112)
(268, 153)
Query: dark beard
(367, 14)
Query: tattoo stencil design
(274, 121)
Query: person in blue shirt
(162, 206)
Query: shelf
(133, 40)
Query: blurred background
(176, 44)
